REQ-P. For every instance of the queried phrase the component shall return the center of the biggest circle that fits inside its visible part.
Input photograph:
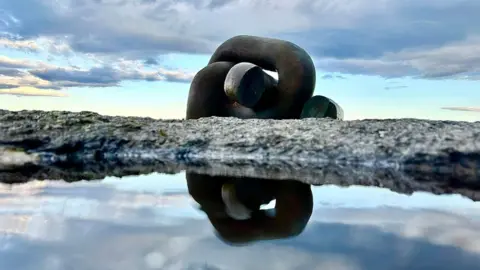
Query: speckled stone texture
(444, 152)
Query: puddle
(161, 221)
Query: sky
(375, 58)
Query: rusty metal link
(234, 82)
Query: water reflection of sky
(150, 222)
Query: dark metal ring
(296, 79)
(234, 82)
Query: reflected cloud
(122, 224)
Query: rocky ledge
(38, 144)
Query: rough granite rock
(435, 156)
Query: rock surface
(438, 156)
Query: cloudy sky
(376, 58)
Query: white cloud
(27, 45)
(458, 60)
(7, 62)
(16, 73)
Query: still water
(161, 221)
